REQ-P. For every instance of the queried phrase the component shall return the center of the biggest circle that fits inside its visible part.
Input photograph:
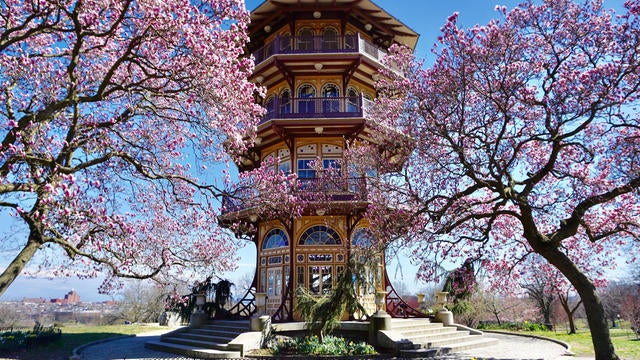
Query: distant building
(39, 300)
(70, 298)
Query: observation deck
(338, 191)
(287, 57)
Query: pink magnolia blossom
(525, 140)
(104, 107)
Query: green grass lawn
(626, 344)
(74, 336)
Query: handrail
(246, 306)
(333, 188)
(316, 107)
(396, 306)
(318, 44)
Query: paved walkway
(509, 347)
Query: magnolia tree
(544, 283)
(523, 138)
(111, 113)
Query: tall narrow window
(329, 39)
(320, 279)
(285, 102)
(305, 39)
(352, 100)
(332, 180)
(270, 106)
(285, 43)
(306, 93)
(305, 170)
(300, 276)
(330, 103)
(350, 41)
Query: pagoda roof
(384, 25)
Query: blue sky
(424, 17)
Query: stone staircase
(423, 338)
(407, 337)
(216, 340)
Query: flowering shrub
(331, 345)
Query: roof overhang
(384, 25)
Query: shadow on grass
(60, 349)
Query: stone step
(230, 323)
(195, 343)
(203, 337)
(191, 351)
(419, 353)
(474, 342)
(397, 321)
(435, 340)
(210, 332)
(426, 331)
(414, 325)
(230, 328)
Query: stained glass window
(362, 238)
(275, 238)
(320, 235)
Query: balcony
(316, 107)
(324, 189)
(284, 45)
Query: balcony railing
(318, 44)
(319, 189)
(316, 107)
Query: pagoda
(317, 60)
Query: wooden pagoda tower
(317, 60)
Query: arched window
(330, 105)
(285, 42)
(329, 39)
(276, 238)
(285, 102)
(349, 40)
(306, 93)
(270, 106)
(352, 100)
(367, 102)
(320, 235)
(362, 238)
(305, 39)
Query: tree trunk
(565, 306)
(497, 318)
(17, 265)
(596, 316)
(564, 300)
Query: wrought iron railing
(246, 306)
(316, 107)
(396, 306)
(318, 44)
(326, 188)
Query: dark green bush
(13, 339)
(331, 345)
(513, 326)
